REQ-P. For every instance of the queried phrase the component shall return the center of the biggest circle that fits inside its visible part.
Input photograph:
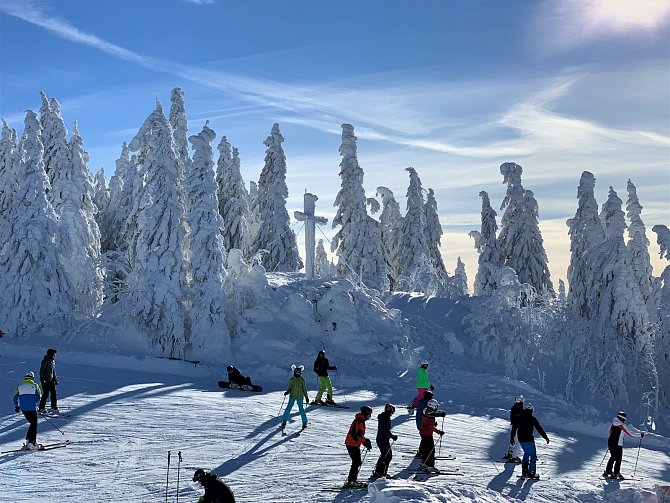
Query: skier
(354, 439)
(523, 427)
(25, 398)
(427, 447)
(427, 396)
(297, 388)
(321, 368)
(216, 490)
(49, 380)
(235, 377)
(615, 444)
(512, 454)
(384, 433)
(422, 384)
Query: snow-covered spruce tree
(638, 250)
(323, 268)
(54, 139)
(357, 243)
(33, 284)
(254, 222)
(663, 335)
(414, 244)
(459, 281)
(275, 235)
(487, 244)
(209, 338)
(179, 125)
(79, 236)
(233, 198)
(433, 231)
(9, 163)
(619, 317)
(586, 233)
(391, 221)
(155, 252)
(100, 192)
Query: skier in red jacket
(355, 438)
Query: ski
(60, 415)
(441, 458)
(254, 388)
(333, 405)
(612, 479)
(40, 447)
(441, 472)
(533, 478)
(344, 488)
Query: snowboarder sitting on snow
(422, 384)
(297, 388)
(384, 434)
(216, 490)
(428, 426)
(25, 398)
(615, 444)
(523, 428)
(234, 376)
(354, 439)
(49, 380)
(321, 367)
(514, 413)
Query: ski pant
(31, 417)
(385, 457)
(529, 456)
(616, 455)
(419, 396)
(48, 387)
(427, 450)
(301, 409)
(324, 384)
(355, 455)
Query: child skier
(422, 384)
(615, 444)
(216, 490)
(427, 447)
(321, 368)
(420, 406)
(26, 396)
(523, 427)
(297, 388)
(384, 434)
(512, 454)
(354, 439)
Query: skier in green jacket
(297, 388)
(422, 383)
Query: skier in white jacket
(615, 444)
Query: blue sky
(453, 89)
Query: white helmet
(519, 399)
(433, 404)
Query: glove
(440, 433)
(285, 393)
(55, 381)
(547, 440)
(367, 444)
(394, 437)
(17, 409)
(432, 387)
(642, 434)
(306, 400)
(334, 367)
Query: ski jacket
(428, 425)
(356, 435)
(421, 404)
(523, 428)
(216, 490)
(297, 388)
(48, 369)
(616, 438)
(27, 395)
(422, 378)
(515, 411)
(322, 366)
(384, 432)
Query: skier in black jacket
(384, 434)
(49, 380)
(321, 368)
(615, 444)
(514, 413)
(523, 428)
(216, 490)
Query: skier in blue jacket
(26, 397)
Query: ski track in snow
(123, 421)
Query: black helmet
(322, 352)
(199, 474)
(621, 416)
(366, 411)
(51, 351)
(230, 368)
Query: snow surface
(125, 411)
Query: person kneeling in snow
(235, 377)
(523, 428)
(354, 439)
(615, 444)
(216, 490)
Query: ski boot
(608, 475)
(524, 470)
(515, 459)
(329, 400)
(317, 402)
(508, 456)
(618, 476)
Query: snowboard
(244, 387)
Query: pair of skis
(326, 404)
(419, 476)
(41, 447)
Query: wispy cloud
(199, 2)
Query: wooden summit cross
(310, 220)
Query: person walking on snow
(523, 428)
(422, 384)
(49, 381)
(354, 439)
(615, 444)
(321, 368)
(25, 398)
(216, 490)
(512, 454)
(428, 427)
(384, 434)
(297, 388)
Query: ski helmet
(621, 416)
(389, 408)
(297, 370)
(29, 375)
(424, 364)
(51, 351)
(230, 368)
(433, 404)
(366, 411)
(322, 352)
(529, 406)
(428, 394)
(199, 474)
(519, 399)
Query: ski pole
(638, 456)
(604, 455)
(362, 461)
(178, 470)
(339, 383)
(167, 478)
(47, 420)
(282, 406)
(439, 450)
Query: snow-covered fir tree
(9, 164)
(100, 192)
(459, 281)
(209, 338)
(33, 284)
(233, 198)
(254, 221)
(121, 191)
(433, 231)
(490, 256)
(414, 244)
(323, 268)
(357, 243)
(54, 139)
(662, 342)
(391, 221)
(179, 124)
(275, 235)
(156, 254)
